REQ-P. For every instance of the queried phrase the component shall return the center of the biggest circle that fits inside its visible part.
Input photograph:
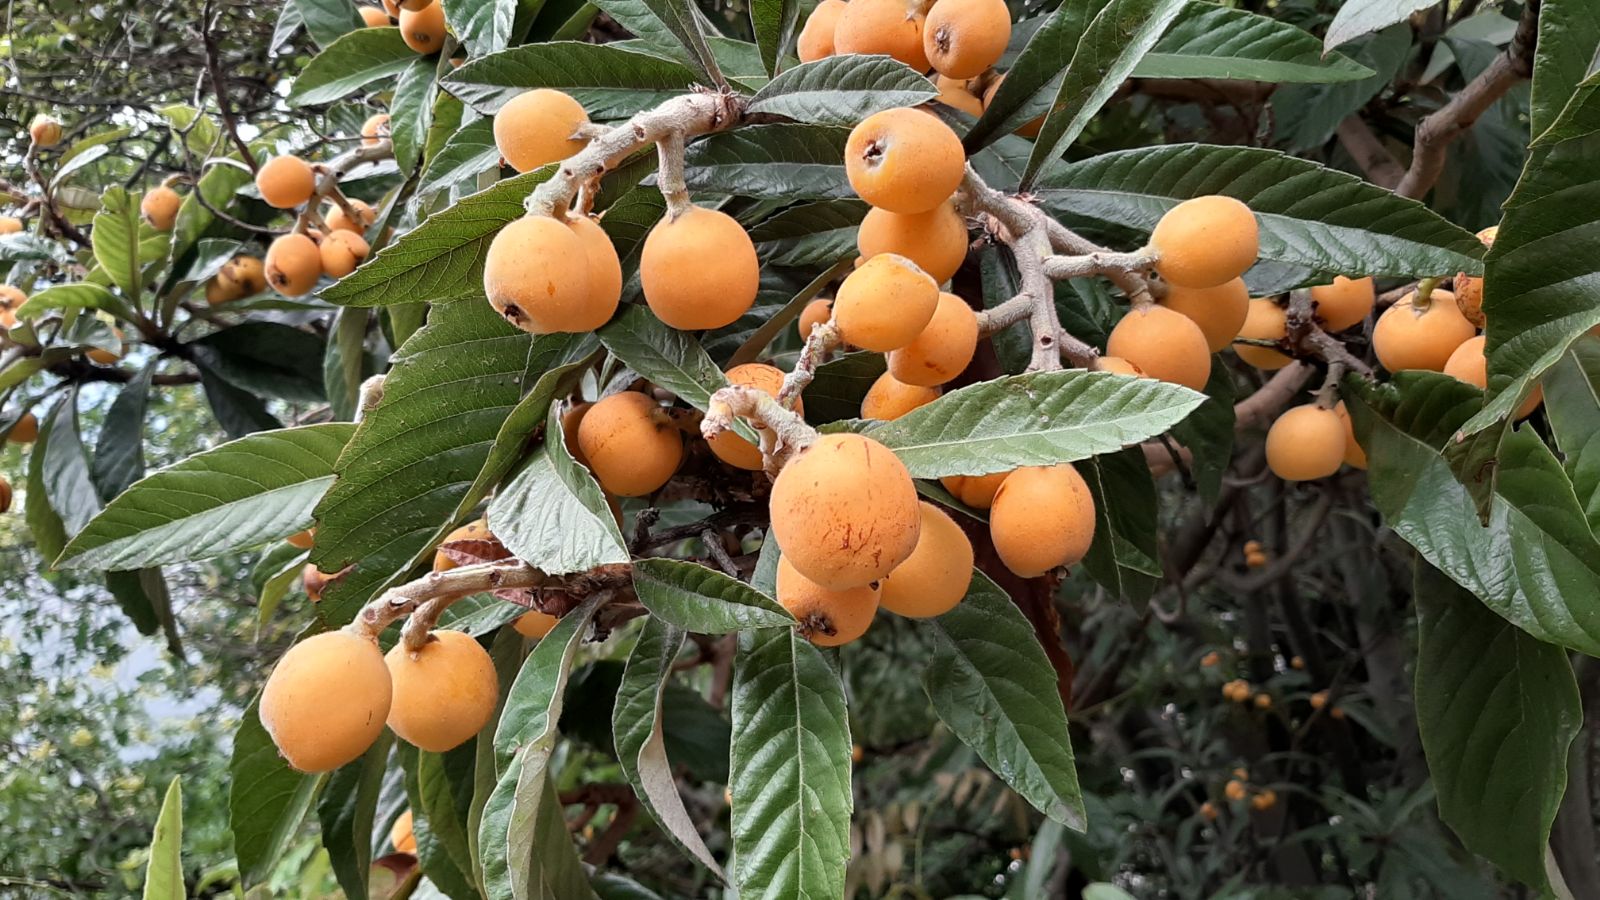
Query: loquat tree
(792, 450)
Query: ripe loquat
(885, 304)
(699, 270)
(248, 274)
(414, 5)
(845, 511)
(816, 38)
(423, 28)
(1116, 365)
(730, 447)
(402, 835)
(11, 298)
(25, 431)
(889, 27)
(1210, 660)
(827, 617)
(605, 274)
(963, 38)
(903, 160)
(536, 275)
(956, 94)
(1219, 311)
(1319, 699)
(936, 240)
(302, 540)
(293, 265)
(341, 252)
(1205, 241)
(1264, 801)
(1235, 790)
(1344, 303)
(534, 624)
(326, 700)
(1411, 337)
(1469, 288)
(890, 398)
(10, 225)
(444, 692)
(45, 130)
(943, 348)
(1042, 518)
(373, 17)
(1164, 345)
(1469, 364)
(1266, 321)
(976, 491)
(160, 207)
(571, 418)
(816, 313)
(222, 289)
(632, 445)
(5, 495)
(285, 181)
(476, 530)
(339, 220)
(105, 356)
(1354, 456)
(1305, 443)
(535, 128)
(1208, 811)
(935, 577)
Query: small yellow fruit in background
(1236, 791)
(816, 313)
(827, 617)
(903, 160)
(444, 692)
(1469, 288)
(1042, 518)
(10, 225)
(106, 357)
(535, 128)
(285, 181)
(402, 837)
(326, 700)
(976, 491)
(1205, 241)
(373, 17)
(1344, 303)
(248, 273)
(1116, 365)
(160, 207)
(1264, 800)
(632, 444)
(45, 130)
(1305, 443)
(1266, 322)
(956, 93)
(534, 624)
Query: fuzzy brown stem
(783, 432)
(824, 339)
(459, 582)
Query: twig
(824, 338)
(783, 432)
(1374, 159)
(219, 85)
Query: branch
(219, 85)
(1447, 123)
(1374, 159)
(783, 433)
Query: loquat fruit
(1235, 791)
(1208, 811)
(955, 93)
(285, 181)
(293, 264)
(1411, 337)
(444, 692)
(10, 225)
(11, 299)
(1116, 365)
(1297, 662)
(885, 304)
(45, 130)
(699, 270)
(535, 128)
(476, 530)
(935, 240)
(106, 357)
(1028, 129)
(1354, 456)
(1264, 801)
(571, 418)
(534, 624)
(373, 131)
(889, 27)
(827, 617)
(605, 275)
(1469, 364)
(222, 289)
(423, 28)
(943, 348)
(536, 275)
(326, 700)
(1205, 241)
(816, 38)
(5, 495)
(1469, 288)
(1266, 321)
(816, 313)
(160, 207)
(314, 582)
(414, 5)
(730, 447)
(964, 38)
(25, 431)
(341, 252)
(1344, 303)
(1305, 443)
(1210, 660)
(903, 160)
(402, 836)
(1164, 345)
(935, 577)
(302, 540)
(248, 273)
(392, 7)
(1219, 311)
(845, 511)
(632, 444)
(339, 220)
(1319, 699)
(890, 398)
(1042, 518)
(976, 491)
(1263, 701)
(373, 17)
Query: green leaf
(809, 234)
(1497, 711)
(345, 811)
(538, 842)
(238, 411)
(1358, 17)
(344, 361)
(123, 244)
(836, 391)
(754, 345)
(350, 63)
(553, 514)
(672, 359)
(774, 23)
(681, 19)
(533, 705)
(267, 800)
(771, 162)
(1122, 557)
(484, 25)
(441, 259)
(83, 295)
(417, 461)
(1535, 562)
(327, 20)
(704, 601)
(1116, 39)
(1563, 57)
(1310, 216)
(1208, 432)
(44, 525)
(266, 358)
(467, 154)
(241, 494)
(439, 822)
(1209, 41)
(412, 111)
(992, 684)
(790, 768)
(163, 875)
(66, 469)
(842, 90)
(636, 724)
(1572, 404)
(1037, 419)
(129, 590)
(1021, 97)
(217, 186)
(610, 82)
(1308, 115)
(1538, 295)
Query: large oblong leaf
(484, 25)
(267, 800)
(242, 494)
(702, 600)
(775, 162)
(1037, 419)
(610, 82)
(356, 59)
(790, 768)
(1564, 56)
(466, 154)
(842, 90)
(163, 875)
(1358, 17)
(1022, 95)
(991, 682)
(672, 359)
(1497, 711)
(1310, 216)
(1572, 404)
(1210, 41)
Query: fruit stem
(693, 114)
(1424, 297)
(1024, 228)
(1305, 337)
(824, 338)
(669, 174)
(327, 181)
(1099, 262)
(1328, 393)
(783, 432)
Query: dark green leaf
(1572, 403)
(129, 590)
(1497, 711)
(1208, 432)
(1209, 41)
(67, 481)
(484, 25)
(773, 22)
(439, 823)
(610, 82)
(343, 362)
(1358, 17)
(44, 525)
(239, 412)
(1026, 92)
(349, 64)
(327, 20)
(809, 234)
(411, 111)
(467, 154)
(771, 162)
(704, 601)
(672, 359)
(83, 295)
(1123, 556)
(836, 391)
(991, 682)
(1564, 57)
(1309, 114)
(267, 800)
(842, 90)
(345, 812)
(266, 358)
